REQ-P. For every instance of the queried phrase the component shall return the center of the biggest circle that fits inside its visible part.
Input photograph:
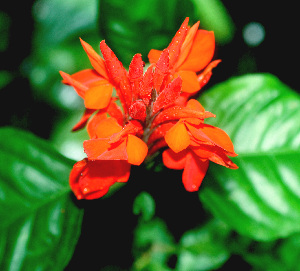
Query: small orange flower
(150, 110)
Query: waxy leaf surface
(261, 199)
(40, 224)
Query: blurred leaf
(135, 26)
(4, 30)
(56, 45)
(5, 78)
(153, 245)
(144, 205)
(204, 248)
(214, 16)
(40, 224)
(282, 254)
(261, 199)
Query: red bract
(149, 111)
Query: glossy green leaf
(261, 199)
(204, 248)
(40, 224)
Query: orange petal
(78, 86)
(177, 137)
(201, 52)
(96, 61)
(194, 172)
(214, 154)
(175, 45)
(194, 104)
(213, 135)
(136, 150)
(190, 83)
(99, 96)
(154, 55)
(93, 123)
(174, 160)
(95, 147)
(187, 44)
(85, 117)
(108, 127)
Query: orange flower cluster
(149, 110)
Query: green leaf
(40, 224)
(261, 199)
(204, 248)
(135, 26)
(56, 46)
(144, 205)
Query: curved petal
(187, 44)
(190, 83)
(213, 136)
(174, 160)
(177, 137)
(154, 55)
(99, 96)
(214, 154)
(96, 61)
(93, 122)
(136, 150)
(201, 52)
(85, 117)
(107, 127)
(92, 179)
(194, 172)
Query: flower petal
(187, 44)
(177, 137)
(214, 135)
(201, 52)
(92, 179)
(190, 82)
(214, 154)
(100, 149)
(136, 150)
(78, 86)
(95, 147)
(168, 96)
(96, 61)
(154, 55)
(85, 117)
(138, 110)
(147, 86)
(107, 127)
(174, 160)
(194, 172)
(99, 96)
(92, 124)
(175, 45)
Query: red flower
(149, 111)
